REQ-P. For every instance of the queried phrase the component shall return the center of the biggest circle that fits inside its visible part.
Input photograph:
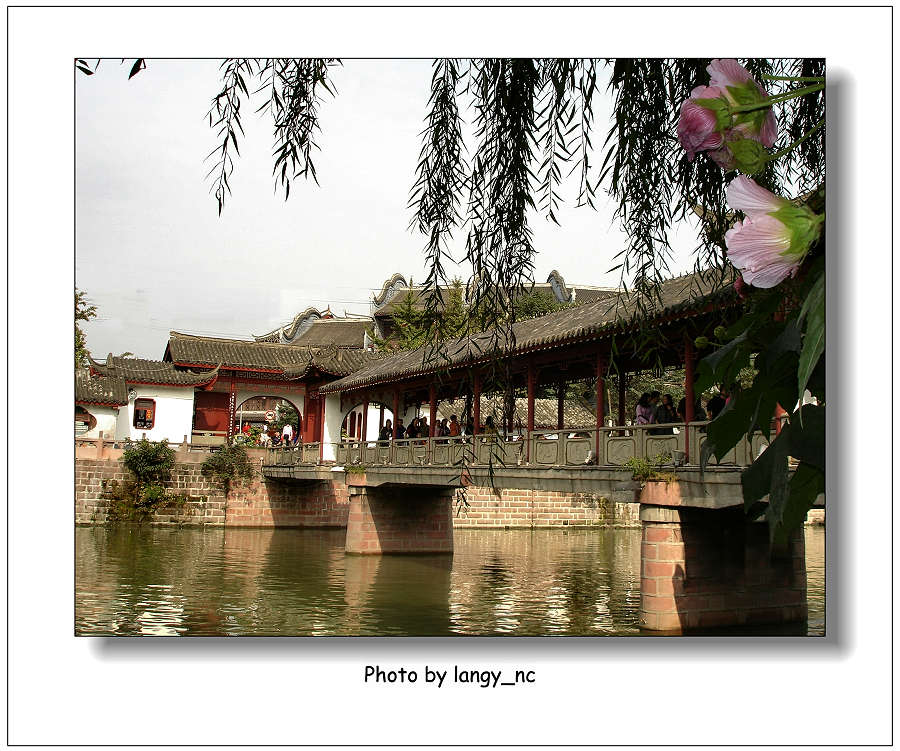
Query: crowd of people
(271, 436)
(419, 428)
(654, 408)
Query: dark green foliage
(135, 499)
(83, 312)
(228, 465)
(536, 303)
(149, 461)
(284, 414)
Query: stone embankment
(262, 503)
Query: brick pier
(708, 568)
(400, 520)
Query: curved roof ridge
(381, 297)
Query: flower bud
(721, 332)
(701, 342)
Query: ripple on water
(161, 581)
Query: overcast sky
(154, 256)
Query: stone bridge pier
(389, 519)
(710, 568)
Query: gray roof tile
(593, 320)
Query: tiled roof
(577, 413)
(136, 370)
(110, 391)
(582, 322)
(342, 332)
(592, 294)
(299, 324)
(291, 361)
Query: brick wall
(278, 504)
(540, 508)
(255, 504)
(205, 503)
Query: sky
(154, 256)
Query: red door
(210, 411)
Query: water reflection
(157, 581)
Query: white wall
(331, 430)
(174, 414)
(106, 418)
(372, 427)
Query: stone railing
(608, 446)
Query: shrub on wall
(227, 466)
(150, 464)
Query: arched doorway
(269, 415)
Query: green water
(164, 581)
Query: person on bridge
(287, 433)
(454, 427)
(643, 414)
(387, 432)
(665, 414)
(401, 431)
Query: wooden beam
(365, 420)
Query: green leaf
(756, 480)
(778, 488)
(814, 340)
(731, 425)
(714, 366)
(805, 486)
(808, 435)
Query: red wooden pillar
(365, 420)
(560, 403)
(232, 408)
(532, 381)
(432, 410)
(396, 410)
(476, 404)
(688, 394)
(779, 413)
(601, 388)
